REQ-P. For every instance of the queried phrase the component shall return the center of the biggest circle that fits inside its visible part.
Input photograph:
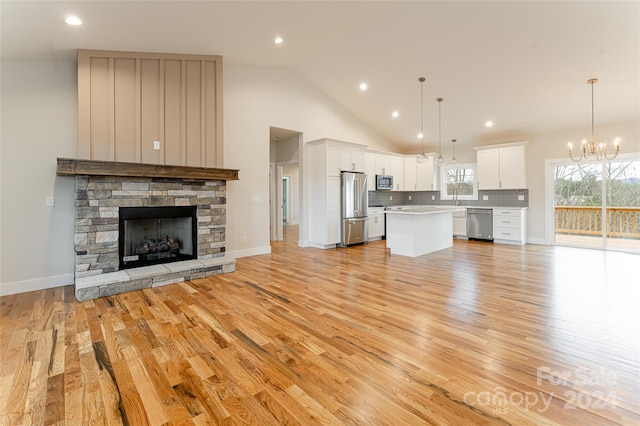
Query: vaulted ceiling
(523, 65)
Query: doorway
(597, 204)
(285, 187)
(286, 200)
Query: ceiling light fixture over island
(414, 231)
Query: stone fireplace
(180, 225)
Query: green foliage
(581, 184)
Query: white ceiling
(522, 64)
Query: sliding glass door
(597, 204)
(623, 204)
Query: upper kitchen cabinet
(396, 169)
(150, 108)
(338, 156)
(352, 157)
(410, 163)
(502, 166)
(419, 176)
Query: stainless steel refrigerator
(354, 202)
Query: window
(459, 182)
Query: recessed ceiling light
(395, 114)
(73, 20)
(363, 86)
(489, 123)
(278, 40)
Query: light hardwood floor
(476, 334)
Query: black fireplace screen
(152, 235)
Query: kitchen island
(414, 231)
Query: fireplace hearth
(155, 235)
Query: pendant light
(422, 157)
(453, 159)
(593, 147)
(440, 160)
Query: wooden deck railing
(623, 222)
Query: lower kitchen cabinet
(509, 226)
(376, 224)
(460, 223)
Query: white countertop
(421, 210)
(409, 207)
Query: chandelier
(594, 147)
(422, 157)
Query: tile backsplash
(495, 198)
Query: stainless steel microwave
(384, 182)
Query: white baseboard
(35, 284)
(302, 243)
(234, 254)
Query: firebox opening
(153, 235)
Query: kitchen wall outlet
(409, 197)
(390, 197)
(256, 199)
(485, 197)
(433, 197)
(520, 197)
(49, 201)
(156, 145)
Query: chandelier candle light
(593, 147)
(422, 157)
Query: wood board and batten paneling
(128, 100)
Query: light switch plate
(156, 145)
(390, 197)
(49, 201)
(433, 197)
(485, 197)
(409, 197)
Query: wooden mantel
(72, 166)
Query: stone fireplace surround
(101, 188)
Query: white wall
(39, 124)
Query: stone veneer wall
(98, 199)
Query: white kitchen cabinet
(370, 169)
(383, 164)
(425, 176)
(325, 161)
(509, 226)
(410, 173)
(460, 223)
(352, 158)
(376, 224)
(396, 169)
(502, 166)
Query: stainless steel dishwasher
(480, 224)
